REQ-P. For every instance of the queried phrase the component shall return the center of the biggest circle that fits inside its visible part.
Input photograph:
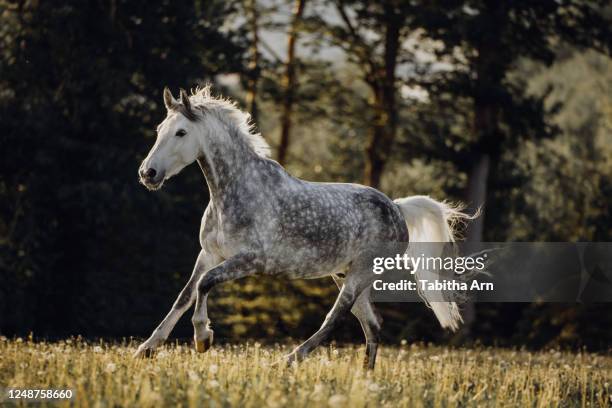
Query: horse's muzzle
(151, 178)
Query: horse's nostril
(150, 173)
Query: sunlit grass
(106, 375)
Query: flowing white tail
(430, 221)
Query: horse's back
(375, 214)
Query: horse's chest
(227, 233)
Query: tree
(254, 68)
(371, 35)
(289, 81)
(491, 37)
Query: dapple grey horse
(262, 220)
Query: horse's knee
(205, 284)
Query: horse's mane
(229, 113)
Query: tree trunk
(486, 117)
(487, 114)
(375, 160)
(253, 68)
(289, 82)
(476, 195)
(478, 179)
(384, 126)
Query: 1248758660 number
(34, 394)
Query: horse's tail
(430, 221)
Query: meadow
(105, 375)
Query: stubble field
(106, 375)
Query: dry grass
(105, 375)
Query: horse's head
(177, 143)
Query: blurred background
(501, 103)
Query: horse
(262, 220)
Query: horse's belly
(301, 266)
(299, 257)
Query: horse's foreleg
(234, 268)
(183, 302)
(344, 302)
(370, 321)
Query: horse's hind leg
(349, 292)
(371, 323)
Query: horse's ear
(184, 99)
(169, 100)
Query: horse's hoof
(202, 346)
(293, 358)
(367, 365)
(146, 352)
(278, 363)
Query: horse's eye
(181, 133)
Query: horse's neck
(222, 161)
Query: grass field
(106, 375)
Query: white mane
(228, 112)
